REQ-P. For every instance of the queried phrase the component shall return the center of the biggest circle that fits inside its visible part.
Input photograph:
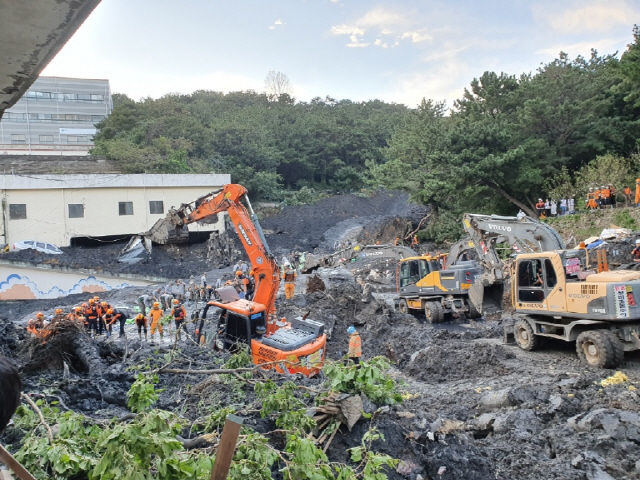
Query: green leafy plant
(142, 393)
(369, 378)
(281, 400)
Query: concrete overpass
(32, 32)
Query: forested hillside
(509, 140)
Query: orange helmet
(91, 301)
(176, 301)
(239, 272)
(96, 298)
(251, 272)
(139, 316)
(109, 312)
(156, 304)
(58, 311)
(39, 315)
(78, 309)
(104, 304)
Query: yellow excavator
(444, 284)
(554, 297)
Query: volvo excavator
(294, 347)
(441, 285)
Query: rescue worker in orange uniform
(76, 315)
(92, 316)
(83, 311)
(355, 345)
(179, 314)
(121, 317)
(289, 276)
(141, 322)
(59, 315)
(155, 314)
(36, 324)
(102, 308)
(637, 203)
(627, 196)
(108, 321)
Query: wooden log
(14, 465)
(227, 447)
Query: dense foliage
(264, 145)
(147, 446)
(506, 142)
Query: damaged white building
(60, 208)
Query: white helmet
(638, 241)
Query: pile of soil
(304, 228)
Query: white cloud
(595, 16)
(382, 21)
(581, 48)
(418, 36)
(347, 30)
(382, 18)
(275, 24)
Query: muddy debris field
(473, 406)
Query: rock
(367, 405)
(350, 410)
(576, 462)
(618, 424)
(484, 421)
(494, 400)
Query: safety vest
(355, 345)
(289, 276)
(155, 314)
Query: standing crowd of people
(551, 208)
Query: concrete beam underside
(31, 34)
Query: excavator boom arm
(231, 198)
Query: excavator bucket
(163, 231)
(486, 298)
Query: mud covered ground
(475, 408)
(303, 228)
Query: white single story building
(58, 208)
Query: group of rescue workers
(98, 317)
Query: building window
(125, 208)
(17, 139)
(46, 138)
(17, 211)
(77, 139)
(156, 207)
(76, 210)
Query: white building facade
(56, 116)
(58, 208)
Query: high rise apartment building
(57, 116)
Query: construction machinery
(450, 283)
(553, 297)
(295, 347)
(423, 284)
(486, 234)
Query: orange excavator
(297, 346)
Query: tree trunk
(528, 210)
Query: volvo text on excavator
(441, 285)
(297, 346)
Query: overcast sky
(348, 49)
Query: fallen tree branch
(221, 371)
(39, 413)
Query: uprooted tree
(148, 443)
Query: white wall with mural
(17, 283)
